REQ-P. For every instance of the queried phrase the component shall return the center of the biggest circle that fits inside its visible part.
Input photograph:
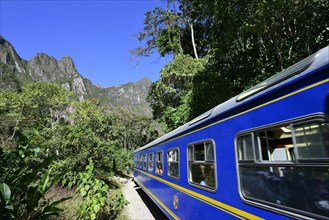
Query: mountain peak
(144, 81)
(9, 56)
(66, 59)
(45, 68)
(67, 65)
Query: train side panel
(179, 199)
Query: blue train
(263, 154)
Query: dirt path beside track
(140, 206)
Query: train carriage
(263, 154)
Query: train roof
(315, 61)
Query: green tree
(87, 136)
(26, 113)
(169, 97)
(161, 32)
(133, 130)
(174, 30)
(252, 40)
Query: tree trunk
(16, 123)
(193, 42)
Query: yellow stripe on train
(219, 205)
(158, 200)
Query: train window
(290, 169)
(245, 148)
(275, 144)
(173, 163)
(201, 165)
(159, 163)
(311, 141)
(145, 162)
(135, 160)
(140, 161)
(150, 164)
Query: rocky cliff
(11, 60)
(43, 68)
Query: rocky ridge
(14, 71)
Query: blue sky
(98, 35)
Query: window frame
(135, 160)
(258, 159)
(170, 176)
(305, 122)
(150, 169)
(296, 162)
(202, 162)
(156, 162)
(140, 162)
(145, 162)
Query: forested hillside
(56, 137)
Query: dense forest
(221, 48)
(50, 142)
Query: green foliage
(105, 138)
(175, 117)
(10, 116)
(153, 26)
(25, 196)
(123, 159)
(27, 113)
(117, 203)
(6, 209)
(172, 31)
(41, 101)
(96, 198)
(170, 96)
(258, 39)
(168, 41)
(8, 79)
(208, 91)
(44, 136)
(132, 130)
(93, 191)
(87, 136)
(27, 116)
